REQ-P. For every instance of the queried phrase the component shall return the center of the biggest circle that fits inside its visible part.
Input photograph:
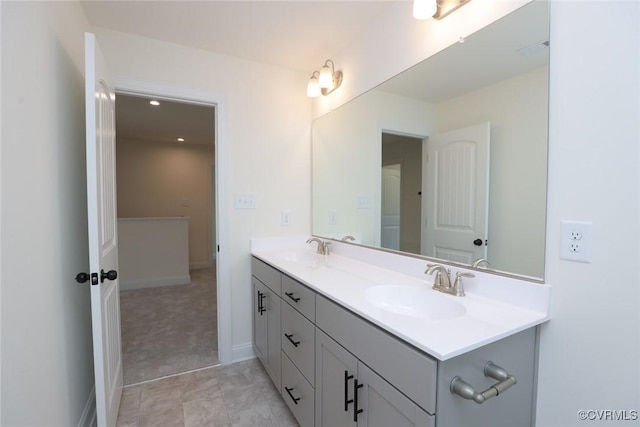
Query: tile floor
(170, 329)
(235, 395)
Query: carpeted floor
(171, 329)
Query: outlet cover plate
(575, 241)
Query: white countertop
(495, 306)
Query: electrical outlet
(575, 241)
(364, 202)
(285, 217)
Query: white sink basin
(422, 303)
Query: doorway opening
(401, 200)
(165, 167)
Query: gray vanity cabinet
(335, 370)
(349, 393)
(266, 318)
(382, 405)
(330, 365)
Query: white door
(456, 182)
(390, 221)
(103, 243)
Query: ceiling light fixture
(325, 81)
(180, 139)
(154, 103)
(422, 9)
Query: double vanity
(359, 337)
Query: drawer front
(297, 393)
(299, 297)
(266, 274)
(298, 341)
(409, 370)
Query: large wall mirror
(448, 159)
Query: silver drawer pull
(460, 387)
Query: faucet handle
(458, 286)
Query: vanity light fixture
(325, 81)
(422, 9)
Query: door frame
(378, 191)
(221, 159)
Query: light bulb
(313, 88)
(326, 77)
(423, 9)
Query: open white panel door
(390, 218)
(456, 183)
(103, 235)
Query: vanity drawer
(409, 370)
(297, 393)
(266, 274)
(298, 341)
(300, 297)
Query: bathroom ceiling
(295, 34)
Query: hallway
(169, 330)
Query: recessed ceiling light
(180, 139)
(154, 103)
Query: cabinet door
(272, 305)
(382, 405)
(259, 321)
(335, 375)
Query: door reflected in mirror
(499, 76)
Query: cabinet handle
(295, 399)
(356, 411)
(290, 338)
(347, 377)
(259, 302)
(261, 307)
(290, 295)
(491, 370)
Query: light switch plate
(245, 201)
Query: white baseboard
(88, 417)
(243, 352)
(154, 283)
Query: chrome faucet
(476, 263)
(348, 237)
(323, 247)
(442, 281)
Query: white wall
(153, 179)
(589, 351)
(348, 167)
(47, 363)
(268, 131)
(153, 252)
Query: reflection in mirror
(395, 169)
